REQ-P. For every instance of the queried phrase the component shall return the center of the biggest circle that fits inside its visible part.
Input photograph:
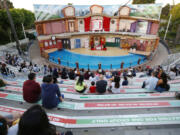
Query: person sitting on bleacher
(80, 85)
(64, 74)
(36, 68)
(125, 81)
(7, 121)
(33, 122)
(172, 74)
(87, 75)
(3, 126)
(115, 85)
(92, 88)
(2, 83)
(55, 73)
(71, 74)
(162, 84)
(31, 89)
(151, 82)
(51, 95)
(4, 69)
(101, 85)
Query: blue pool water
(69, 59)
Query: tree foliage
(143, 1)
(165, 11)
(19, 16)
(176, 14)
(175, 20)
(9, 4)
(29, 19)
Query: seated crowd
(21, 64)
(5, 71)
(99, 82)
(34, 121)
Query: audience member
(80, 85)
(162, 84)
(50, 69)
(33, 122)
(125, 81)
(64, 74)
(36, 68)
(55, 73)
(31, 89)
(51, 95)
(7, 121)
(2, 83)
(45, 70)
(151, 82)
(87, 75)
(92, 78)
(71, 74)
(115, 85)
(134, 72)
(92, 88)
(3, 126)
(130, 79)
(82, 71)
(172, 74)
(101, 85)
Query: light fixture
(53, 38)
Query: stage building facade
(96, 28)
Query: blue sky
(28, 4)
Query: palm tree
(12, 26)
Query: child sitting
(92, 89)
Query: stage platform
(51, 50)
(111, 51)
(141, 53)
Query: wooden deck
(111, 51)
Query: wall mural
(46, 12)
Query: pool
(107, 62)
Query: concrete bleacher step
(70, 83)
(20, 84)
(102, 105)
(106, 121)
(120, 96)
(74, 96)
(71, 90)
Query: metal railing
(95, 66)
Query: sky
(28, 4)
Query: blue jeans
(62, 95)
(159, 89)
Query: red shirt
(92, 89)
(31, 91)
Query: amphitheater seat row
(106, 121)
(72, 90)
(19, 83)
(102, 105)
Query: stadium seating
(134, 106)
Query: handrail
(165, 45)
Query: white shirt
(92, 79)
(113, 89)
(172, 75)
(151, 83)
(130, 81)
(13, 130)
